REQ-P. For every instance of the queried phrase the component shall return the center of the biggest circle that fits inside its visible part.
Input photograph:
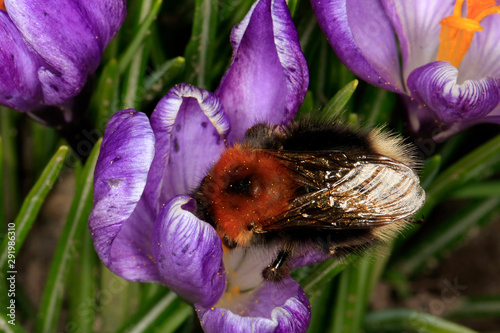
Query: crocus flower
(48, 48)
(143, 222)
(450, 73)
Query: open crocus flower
(450, 73)
(48, 48)
(143, 222)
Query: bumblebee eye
(242, 186)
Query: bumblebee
(310, 187)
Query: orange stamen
(457, 31)
(2, 6)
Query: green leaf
(377, 105)
(341, 295)
(11, 186)
(321, 307)
(200, 50)
(479, 164)
(105, 98)
(44, 141)
(82, 305)
(154, 312)
(9, 328)
(156, 83)
(478, 190)
(477, 307)
(321, 275)
(150, 291)
(158, 56)
(447, 235)
(336, 105)
(118, 299)
(133, 86)
(306, 110)
(3, 218)
(292, 5)
(352, 296)
(76, 224)
(430, 170)
(139, 37)
(32, 204)
(173, 320)
(306, 28)
(398, 320)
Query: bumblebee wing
(348, 190)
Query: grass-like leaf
(430, 171)
(104, 101)
(76, 224)
(11, 187)
(139, 36)
(292, 5)
(200, 50)
(447, 235)
(478, 164)
(32, 204)
(181, 313)
(3, 226)
(477, 190)
(82, 305)
(320, 275)
(377, 106)
(156, 83)
(5, 327)
(352, 296)
(477, 307)
(336, 105)
(154, 312)
(321, 307)
(118, 299)
(398, 320)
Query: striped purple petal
(363, 38)
(268, 77)
(189, 126)
(120, 221)
(416, 24)
(64, 42)
(436, 86)
(273, 307)
(188, 253)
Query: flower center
(457, 31)
(2, 6)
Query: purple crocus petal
(120, 224)
(188, 253)
(268, 77)
(19, 86)
(417, 26)
(106, 17)
(273, 307)
(435, 86)
(189, 125)
(363, 38)
(69, 38)
(482, 57)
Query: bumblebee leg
(279, 269)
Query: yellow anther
(457, 31)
